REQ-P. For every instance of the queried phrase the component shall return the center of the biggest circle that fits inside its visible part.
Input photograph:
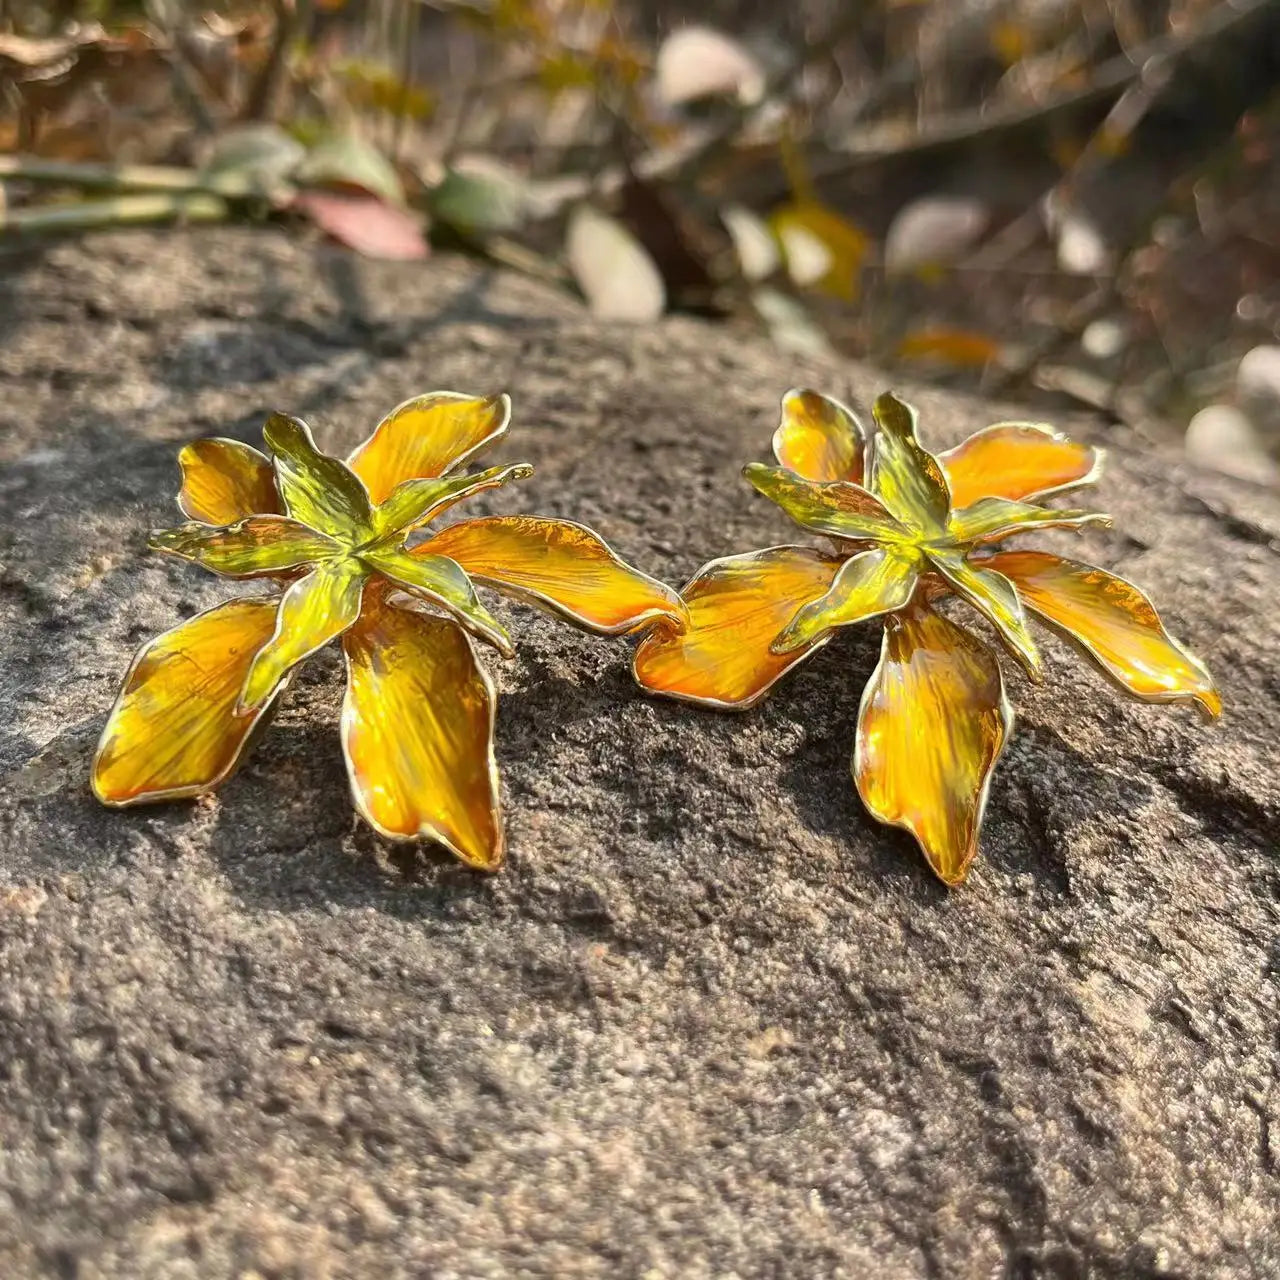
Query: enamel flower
(907, 529)
(330, 538)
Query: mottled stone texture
(711, 1020)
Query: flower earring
(907, 529)
(330, 539)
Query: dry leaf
(822, 250)
(758, 252)
(959, 347)
(613, 269)
(933, 231)
(699, 62)
(365, 223)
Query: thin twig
(128, 177)
(408, 40)
(117, 211)
(260, 103)
(185, 89)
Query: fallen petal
(365, 223)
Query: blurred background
(1058, 201)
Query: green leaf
(262, 154)
(348, 161)
(989, 519)
(481, 196)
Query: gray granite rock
(711, 1020)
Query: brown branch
(261, 101)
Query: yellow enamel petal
(318, 490)
(560, 565)
(1017, 460)
(931, 727)
(224, 481)
(173, 730)
(417, 502)
(818, 438)
(441, 581)
(428, 436)
(315, 610)
(867, 585)
(905, 475)
(837, 508)
(994, 596)
(990, 519)
(417, 733)
(736, 607)
(1114, 622)
(256, 546)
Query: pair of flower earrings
(351, 552)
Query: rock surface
(712, 1020)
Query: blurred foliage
(1066, 198)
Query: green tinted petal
(867, 585)
(443, 582)
(990, 519)
(315, 610)
(996, 598)
(904, 474)
(415, 502)
(258, 545)
(837, 508)
(318, 490)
